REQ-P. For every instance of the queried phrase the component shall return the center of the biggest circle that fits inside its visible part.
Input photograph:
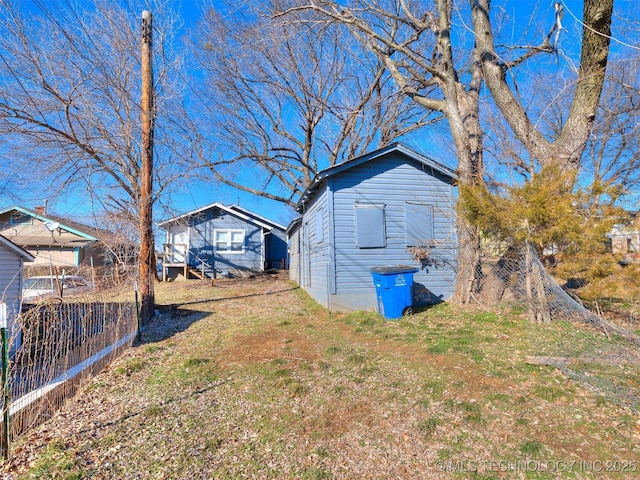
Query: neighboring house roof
(249, 213)
(232, 209)
(46, 239)
(432, 165)
(19, 251)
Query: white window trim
(230, 231)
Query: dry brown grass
(251, 379)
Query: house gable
(255, 216)
(426, 164)
(227, 238)
(32, 229)
(49, 238)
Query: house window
(370, 230)
(418, 224)
(229, 241)
(20, 219)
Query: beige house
(50, 239)
(625, 238)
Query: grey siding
(275, 240)
(367, 216)
(392, 182)
(294, 255)
(11, 292)
(315, 258)
(265, 242)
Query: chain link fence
(600, 353)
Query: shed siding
(294, 255)
(368, 214)
(391, 181)
(315, 250)
(10, 275)
(11, 292)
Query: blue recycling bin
(394, 284)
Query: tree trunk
(463, 116)
(497, 282)
(469, 272)
(538, 305)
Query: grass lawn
(251, 379)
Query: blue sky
(430, 143)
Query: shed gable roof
(321, 177)
(16, 249)
(295, 223)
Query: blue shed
(217, 239)
(391, 206)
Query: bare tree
(285, 99)
(70, 98)
(612, 157)
(612, 154)
(567, 147)
(415, 41)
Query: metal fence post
(135, 287)
(5, 381)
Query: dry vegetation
(251, 379)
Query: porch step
(207, 274)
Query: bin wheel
(407, 311)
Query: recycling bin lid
(394, 269)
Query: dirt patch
(269, 345)
(342, 418)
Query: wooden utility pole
(147, 248)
